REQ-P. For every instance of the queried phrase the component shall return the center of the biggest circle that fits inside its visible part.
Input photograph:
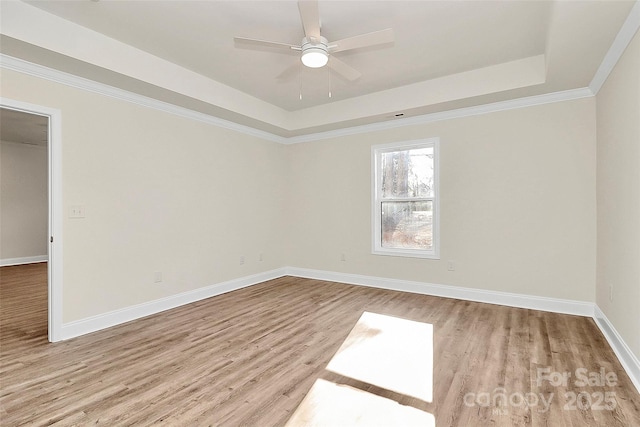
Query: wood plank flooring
(248, 358)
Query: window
(405, 199)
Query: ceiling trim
(37, 28)
(620, 43)
(50, 74)
(623, 38)
(513, 104)
(36, 70)
(516, 74)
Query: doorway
(32, 131)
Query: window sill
(407, 253)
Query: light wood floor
(250, 356)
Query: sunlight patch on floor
(388, 352)
(329, 404)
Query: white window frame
(376, 198)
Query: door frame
(56, 211)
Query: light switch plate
(76, 211)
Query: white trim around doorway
(56, 210)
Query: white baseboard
(555, 305)
(627, 359)
(580, 308)
(116, 317)
(23, 260)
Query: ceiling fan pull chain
(329, 81)
(301, 83)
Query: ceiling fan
(317, 51)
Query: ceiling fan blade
(363, 40)
(343, 69)
(265, 43)
(310, 16)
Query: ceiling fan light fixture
(315, 57)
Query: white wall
(517, 203)
(23, 201)
(161, 193)
(618, 172)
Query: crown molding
(36, 70)
(620, 43)
(512, 104)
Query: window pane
(407, 173)
(407, 225)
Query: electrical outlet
(241, 259)
(261, 257)
(611, 293)
(157, 277)
(451, 265)
(343, 257)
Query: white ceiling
(446, 54)
(429, 41)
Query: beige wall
(517, 203)
(164, 193)
(618, 171)
(23, 200)
(161, 193)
